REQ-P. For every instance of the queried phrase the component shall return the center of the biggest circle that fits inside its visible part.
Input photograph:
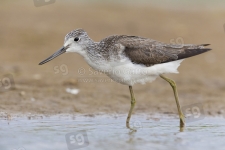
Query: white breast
(125, 72)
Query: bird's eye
(76, 39)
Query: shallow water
(109, 132)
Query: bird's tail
(193, 50)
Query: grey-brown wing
(149, 52)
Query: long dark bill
(56, 54)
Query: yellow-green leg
(131, 108)
(173, 85)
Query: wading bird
(131, 59)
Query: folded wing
(150, 52)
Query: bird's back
(147, 51)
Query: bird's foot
(132, 129)
(182, 122)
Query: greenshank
(131, 59)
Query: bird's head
(75, 41)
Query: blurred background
(30, 31)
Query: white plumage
(130, 74)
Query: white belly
(130, 74)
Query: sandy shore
(30, 34)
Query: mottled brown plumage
(149, 52)
(139, 50)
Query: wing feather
(150, 52)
